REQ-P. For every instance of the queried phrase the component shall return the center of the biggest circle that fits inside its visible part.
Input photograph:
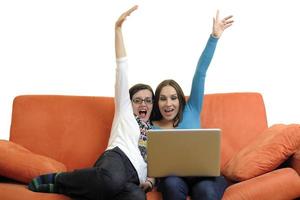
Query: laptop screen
(183, 152)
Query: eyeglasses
(147, 100)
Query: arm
(121, 86)
(197, 91)
(121, 93)
(119, 43)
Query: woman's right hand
(119, 44)
(124, 15)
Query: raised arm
(122, 99)
(197, 91)
(122, 94)
(119, 43)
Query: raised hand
(220, 25)
(122, 18)
(119, 44)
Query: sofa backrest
(241, 116)
(75, 129)
(71, 129)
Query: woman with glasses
(120, 173)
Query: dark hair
(137, 87)
(156, 115)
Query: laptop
(183, 152)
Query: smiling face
(168, 103)
(142, 104)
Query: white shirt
(125, 130)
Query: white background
(67, 47)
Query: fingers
(227, 21)
(132, 9)
(122, 18)
(128, 12)
(217, 14)
(227, 25)
(228, 17)
(219, 25)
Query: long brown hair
(156, 115)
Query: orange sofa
(53, 133)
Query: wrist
(215, 35)
(150, 182)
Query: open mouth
(142, 113)
(168, 110)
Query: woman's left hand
(220, 25)
(148, 185)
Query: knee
(110, 183)
(209, 189)
(131, 191)
(173, 188)
(173, 182)
(138, 195)
(204, 189)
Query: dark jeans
(178, 188)
(112, 178)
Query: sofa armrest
(279, 184)
(265, 153)
(20, 164)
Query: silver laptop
(183, 152)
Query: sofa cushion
(18, 163)
(295, 161)
(281, 184)
(265, 153)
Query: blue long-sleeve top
(192, 109)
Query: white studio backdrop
(67, 47)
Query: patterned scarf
(144, 126)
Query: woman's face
(168, 103)
(142, 104)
